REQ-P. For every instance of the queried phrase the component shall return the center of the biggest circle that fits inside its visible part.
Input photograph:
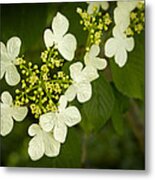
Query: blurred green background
(111, 134)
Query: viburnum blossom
(58, 121)
(92, 60)
(96, 5)
(118, 46)
(9, 54)
(42, 143)
(122, 14)
(65, 43)
(9, 112)
(81, 85)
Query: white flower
(81, 85)
(42, 143)
(10, 112)
(128, 5)
(91, 58)
(122, 14)
(118, 46)
(66, 43)
(104, 5)
(8, 55)
(58, 122)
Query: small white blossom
(42, 143)
(58, 121)
(81, 85)
(66, 43)
(92, 60)
(96, 5)
(10, 112)
(118, 46)
(128, 5)
(8, 55)
(122, 14)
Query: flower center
(41, 87)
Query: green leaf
(27, 21)
(129, 80)
(98, 109)
(120, 107)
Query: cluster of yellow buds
(137, 20)
(41, 87)
(95, 24)
(51, 58)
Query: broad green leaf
(129, 80)
(98, 109)
(120, 106)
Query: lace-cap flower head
(91, 58)
(58, 122)
(10, 112)
(118, 46)
(8, 55)
(65, 43)
(81, 85)
(95, 6)
(42, 143)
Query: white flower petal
(122, 18)
(47, 121)
(75, 70)
(67, 46)
(48, 38)
(118, 33)
(12, 76)
(91, 6)
(84, 91)
(121, 57)
(129, 44)
(129, 6)
(13, 47)
(36, 148)
(6, 121)
(34, 129)
(70, 93)
(4, 59)
(60, 24)
(100, 63)
(105, 5)
(52, 147)
(62, 103)
(110, 47)
(2, 69)
(90, 73)
(3, 54)
(72, 116)
(19, 113)
(6, 98)
(94, 50)
(60, 131)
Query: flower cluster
(47, 90)
(94, 22)
(137, 20)
(119, 44)
(42, 87)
